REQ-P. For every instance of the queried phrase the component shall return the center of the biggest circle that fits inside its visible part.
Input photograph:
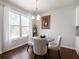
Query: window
(18, 25)
(25, 25)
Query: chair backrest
(40, 47)
(59, 40)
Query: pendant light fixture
(36, 16)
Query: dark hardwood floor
(0, 56)
(68, 54)
(26, 53)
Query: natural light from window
(18, 25)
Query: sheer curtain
(6, 41)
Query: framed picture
(45, 22)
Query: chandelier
(36, 16)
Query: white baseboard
(68, 47)
(14, 47)
(18, 46)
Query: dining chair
(40, 46)
(55, 45)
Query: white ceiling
(43, 5)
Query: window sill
(21, 38)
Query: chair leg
(44, 56)
(59, 55)
(34, 56)
(27, 47)
(48, 53)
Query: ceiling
(43, 5)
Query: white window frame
(20, 29)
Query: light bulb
(38, 17)
(33, 17)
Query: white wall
(1, 27)
(63, 23)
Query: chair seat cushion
(52, 45)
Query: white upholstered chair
(55, 45)
(40, 46)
